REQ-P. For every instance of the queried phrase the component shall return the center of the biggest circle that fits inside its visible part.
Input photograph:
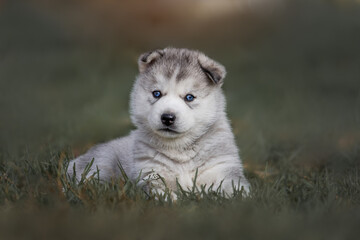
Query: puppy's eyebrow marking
(197, 85)
(153, 80)
(161, 79)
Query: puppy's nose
(168, 119)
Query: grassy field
(293, 92)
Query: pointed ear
(212, 69)
(147, 59)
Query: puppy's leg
(105, 162)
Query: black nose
(168, 119)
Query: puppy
(178, 107)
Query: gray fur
(200, 139)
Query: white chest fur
(214, 162)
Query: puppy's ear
(147, 59)
(212, 69)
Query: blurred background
(293, 83)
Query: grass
(293, 96)
(315, 203)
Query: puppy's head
(177, 93)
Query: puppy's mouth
(168, 130)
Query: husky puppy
(178, 107)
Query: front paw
(155, 184)
(165, 194)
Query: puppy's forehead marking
(167, 81)
(182, 61)
(183, 74)
(186, 67)
(175, 74)
(168, 71)
(180, 69)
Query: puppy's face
(177, 93)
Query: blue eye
(189, 98)
(156, 94)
